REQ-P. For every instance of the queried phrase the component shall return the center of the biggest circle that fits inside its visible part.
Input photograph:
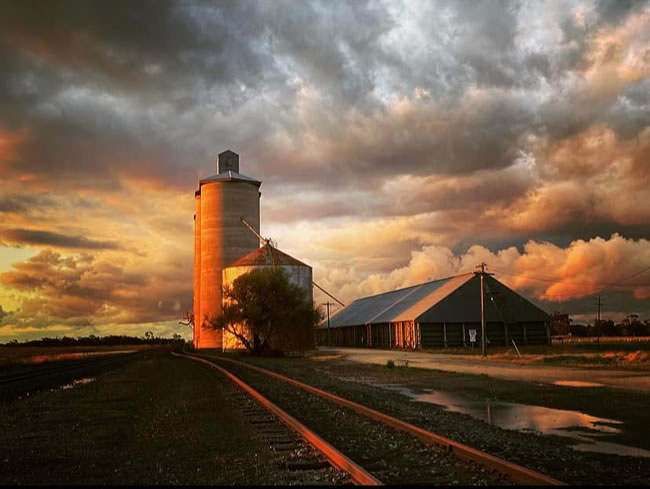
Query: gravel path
(621, 379)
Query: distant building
(441, 313)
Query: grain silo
(267, 256)
(220, 238)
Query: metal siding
(464, 305)
(454, 334)
(431, 335)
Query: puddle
(579, 426)
(77, 355)
(76, 382)
(576, 383)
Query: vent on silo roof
(266, 255)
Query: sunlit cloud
(397, 142)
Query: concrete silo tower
(220, 238)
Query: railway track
(308, 461)
(392, 450)
(27, 379)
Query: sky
(397, 142)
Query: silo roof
(229, 176)
(397, 305)
(267, 255)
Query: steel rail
(515, 473)
(358, 474)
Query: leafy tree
(560, 323)
(268, 313)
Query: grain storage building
(267, 256)
(220, 238)
(441, 313)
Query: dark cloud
(349, 111)
(33, 237)
(12, 205)
(154, 44)
(26, 204)
(109, 82)
(614, 11)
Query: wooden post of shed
(444, 334)
(464, 342)
(525, 335)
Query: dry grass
(627, 353)
(637, 360)
(28, 354)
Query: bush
(390, 364)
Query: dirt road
(622, 379)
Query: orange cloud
(544, 271)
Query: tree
(560, 323)
(268, 313)
(188, 320)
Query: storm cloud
(48, 238)
(379, 129)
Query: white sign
(472, 336)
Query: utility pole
(482, 274)
(329, 337)
(598, 303)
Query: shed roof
(397, 305)
(452, 299)
(267, 255)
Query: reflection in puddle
(536, 419)
(576, 383)
(76, 382)
(69, 356)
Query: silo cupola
(228, 161)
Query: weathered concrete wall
(224, 239)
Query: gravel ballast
(548, 454)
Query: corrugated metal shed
(453, 299)
(501, 304)
(397, 304)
